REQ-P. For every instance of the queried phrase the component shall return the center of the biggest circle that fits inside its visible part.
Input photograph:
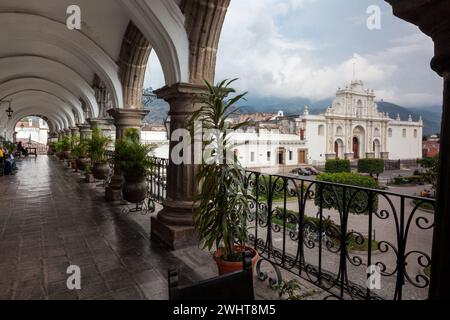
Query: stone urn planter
(60, 155)
(82, 163)
(135, 189)
(67, 155)
(100, 170)
(226, 267)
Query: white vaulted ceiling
(46, 69)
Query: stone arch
(35, 85)
(42, 30)
(377, 148)
(204, 21)
(38, 67)
(339, 149)
(162, 23)
(359, 139)
(134, 56)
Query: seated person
(9, 163)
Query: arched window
(415, 133)
(390, 132)
(377, 132)
(359, 109)
(404, 133)
(339, 131)
(321, 130)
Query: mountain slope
(295, 106)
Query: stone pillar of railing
(433, 18)
(123, 119)
(173, 224)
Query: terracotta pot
(82, 163)
(135, 189)
(100, 170)
(226, 267)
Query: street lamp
(9, 111)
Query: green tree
(431, 166)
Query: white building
(353, 128)
(32, 128)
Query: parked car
(312, 170)
(301, 172)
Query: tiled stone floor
(49, 220)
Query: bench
(234, 286)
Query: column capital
(433, 19)
(100, 122)
(182, 97)
(84, 127)
(128, 117)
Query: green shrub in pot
(222, 205)
(132, 159)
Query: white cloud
(253, 49)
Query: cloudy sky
(308, 48)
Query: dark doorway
(356, 148)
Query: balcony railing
(337, 237)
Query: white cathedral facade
(353, 128)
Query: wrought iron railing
(157, 179)
(332, 235)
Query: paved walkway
(49, 220)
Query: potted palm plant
(74, 151)
(222, 205)
(131, 158)
(97, 148)
(65, 146)
(80, 152)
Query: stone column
(85, 131)
(15, 137)
(433, 18)
(105, 125)
(123, 119)
(75, 131)
(127, 119)
(173, 224)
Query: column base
(330, 156)
(384, 155)
(174, 225)
(370, 155)
(349, 156)
(175, 237)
